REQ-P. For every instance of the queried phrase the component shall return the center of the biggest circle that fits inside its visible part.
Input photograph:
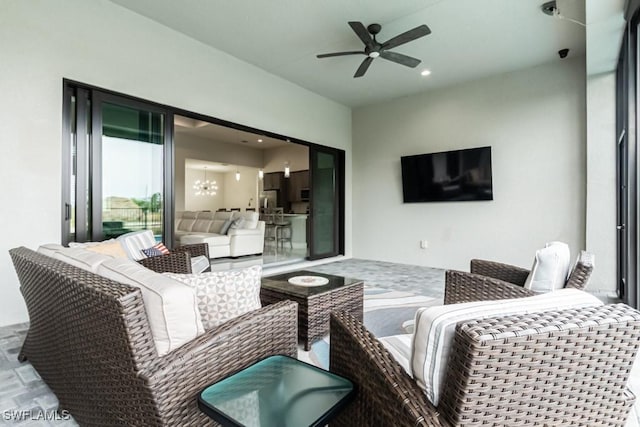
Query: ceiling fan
(373, 48)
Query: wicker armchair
(89, 339)
(490, 280)
(178, 261)
(568, 368)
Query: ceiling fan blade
(406, 37)
(363, 67)
(400, 59)
(362, 32)
(329, 55)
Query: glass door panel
(325, 204)
(132, 170)
(117, 166)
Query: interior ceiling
(470, 39)
(217, 133)
(216, 167)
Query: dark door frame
(170, 112)
(627, 108)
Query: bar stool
(283, 230)
(270, 225)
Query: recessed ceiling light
(425, 72)
(259, 140)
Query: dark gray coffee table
(315, 303)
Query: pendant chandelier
(206, 187)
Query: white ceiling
(470, 39)
(218, 167)
(217, 133)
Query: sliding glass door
(326, 220)
(119, 167)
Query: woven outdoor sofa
(567, 367)
(89, 339)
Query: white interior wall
(244, 193)
(534, 120)
(601, 179)
(192, 147)
(297, 155)
(202, 202)
(102, 44)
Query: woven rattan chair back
(85, 326)
(579, 277)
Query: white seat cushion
(171, 307)
(550, 268)
(133, 243)
(224, 295)
(435, 329)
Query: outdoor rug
(386, 313)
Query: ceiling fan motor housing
(374, 29)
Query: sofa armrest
(175, 262)
(245, 232)
(196, 249)
(180, 375)
(461, 286)
(385, 394)
(554, 366)
(498, 270)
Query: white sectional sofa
(246, 237)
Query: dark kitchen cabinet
(273, 181)
(298, 181)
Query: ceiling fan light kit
(374, 49)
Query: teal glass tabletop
(278, 391)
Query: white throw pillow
(550, 268)
(249, 220)
(171, 307)
(435, 329)
(224, 295)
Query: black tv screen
(459, 175)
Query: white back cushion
(133, 243)
(203, 223)
(550, 268)
(216, 226)
(81, 258)
(49, 249)
(186, 220)
(171, 307)
(435, 329)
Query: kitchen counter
(298, 229)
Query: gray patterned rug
(386, 313)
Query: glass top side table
(278, 391)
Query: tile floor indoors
(21, 388)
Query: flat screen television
(460, 175)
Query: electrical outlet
(424, 244)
